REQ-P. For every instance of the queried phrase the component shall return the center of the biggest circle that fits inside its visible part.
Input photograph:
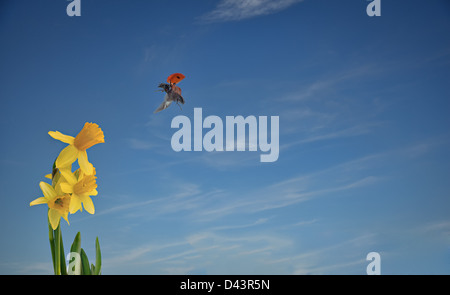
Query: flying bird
(173, 92)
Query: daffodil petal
(66, 188)
(59, 136)
(87, 203)
(67, 156)
(87, 167)
(58, 189)
(65, 217)
(93, 192)
(49, 176)
(47, 190)
(41, 200)
(75, 204)
(54, 217)
(68, 176)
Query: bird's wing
(163, 106)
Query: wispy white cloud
(200, 203)
(200, 250)
(328, 84)
(439, 230)
(342, 133)
(26, 268)
(150, 53)
(323, 260)
(232, 227)
(321, 109)
(330, 268)
(289, 192)
(235, 10)
(228, 160)
(249, 253)
(425, 146)
(139, 144)
(188, 198)
(303, 223)
(136, 253)
(229, 230)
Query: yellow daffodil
(58, 203)
(80, 189)
(90, 135)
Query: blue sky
(363, 104)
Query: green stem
(52, 244)
(58, 250)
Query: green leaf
(84, 263)
(76, 245)
(92, 269)
(63, 257)
(98, 258)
